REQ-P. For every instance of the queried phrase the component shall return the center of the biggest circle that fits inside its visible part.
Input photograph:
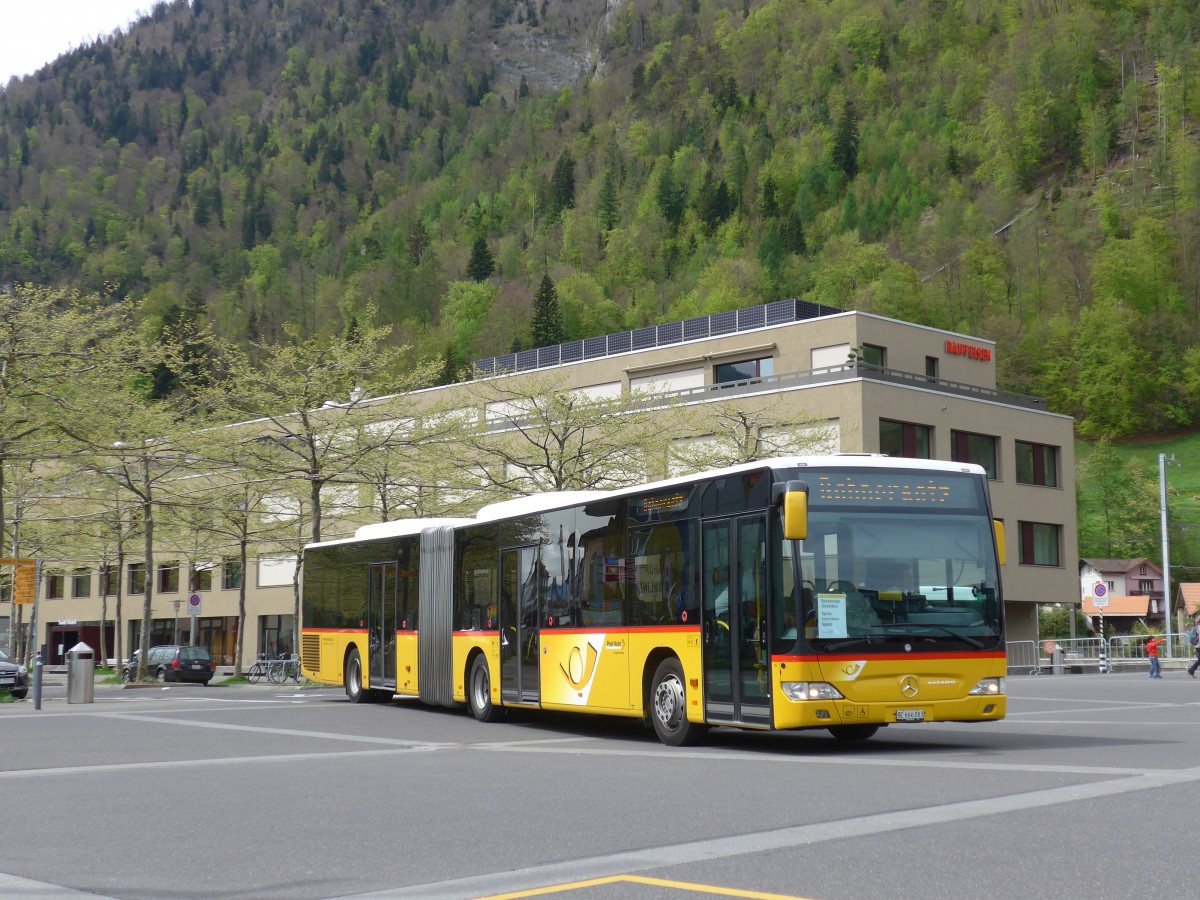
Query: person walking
(1152, 652)
(1193, 636)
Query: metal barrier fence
(1023, 657)
(1133, 647)
(1126, 650)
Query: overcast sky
(34, 32)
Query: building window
(931, 368)
(904, 439)
(872, 355)
(137, 578)
(974, 448)
(168, 578)
(231, 574)
(81, 583)
(6, 587)
(108, 581)
(1037, 464)
(1145, 586)
(54, 585)
(201, 578)
(1039, 544)
(1142, 569)
(744, 370)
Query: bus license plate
(910, 715)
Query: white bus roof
(545, 502)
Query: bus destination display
(885, 489)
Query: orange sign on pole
(24, 579)
(24, 585)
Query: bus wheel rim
(668, 701)
(480, 688)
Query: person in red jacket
(1152, 652)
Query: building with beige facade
(879, 385)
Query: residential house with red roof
(1133, 588)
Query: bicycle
(283, 669)
(259, 670)
(290, 670)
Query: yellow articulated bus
(842, 592)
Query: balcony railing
(825, 375)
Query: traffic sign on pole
(194, 605)
(1100, 595)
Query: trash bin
(81, 674)
(1055, 653)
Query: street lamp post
(1166, 546)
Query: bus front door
(520, 620)
(381, 626)
(737, 677)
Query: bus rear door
(520, 621)
(382, 621)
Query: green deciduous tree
(748, 429)
(1118, 506)
(541, 435)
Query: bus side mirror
(1000, 545)
(795, 515)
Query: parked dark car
(14, 677)
(172, 662)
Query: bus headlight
(988, 687)
(811, 690)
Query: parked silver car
(14, 677)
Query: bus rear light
(988, 687)
(811, 690)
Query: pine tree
(608, 205)
(669, 196)
(562, 184)
(452, 366)
(791, 232)
(547, 329)
(418, 242)
(845, 142)
(768, 199)
(481, 264)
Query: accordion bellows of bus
(838, 592)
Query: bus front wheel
(853, 732)
(668, 706)
(479, 692)
(353, 678)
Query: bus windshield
(891, 573)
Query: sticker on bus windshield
(831, 616)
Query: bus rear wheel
(668, 706)
(353, 679)
(479, 692)
(853, 732)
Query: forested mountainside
(1025, 170)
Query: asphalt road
(1090, 789)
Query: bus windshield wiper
(966, 639)
(855, 641)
